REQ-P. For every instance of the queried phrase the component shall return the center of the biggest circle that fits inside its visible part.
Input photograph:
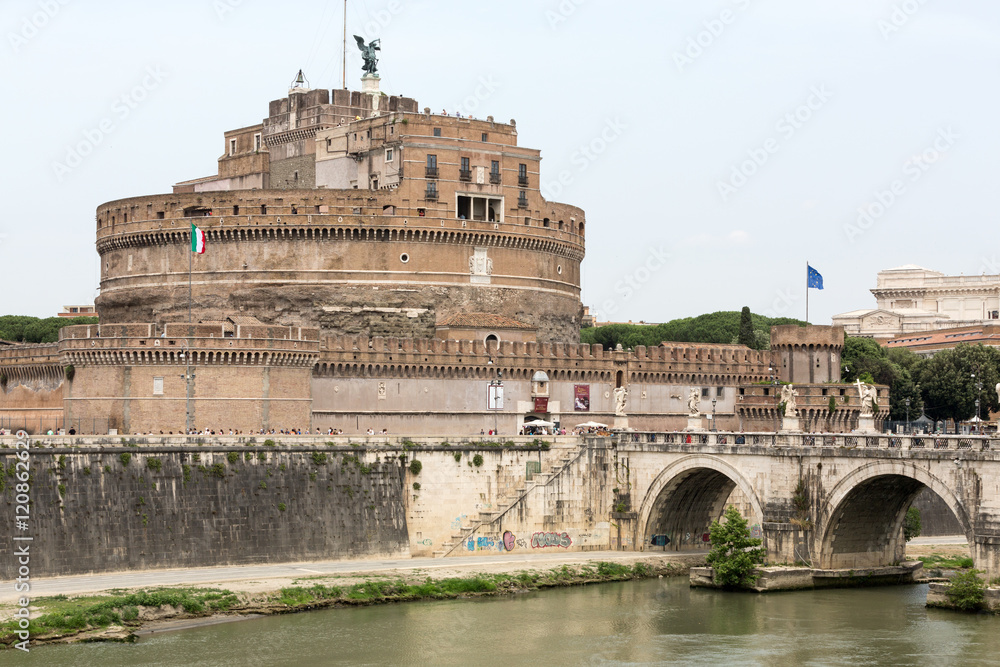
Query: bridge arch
(860, 523)
(687, 496)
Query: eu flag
(814, 279)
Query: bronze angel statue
(368, 53)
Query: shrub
(282, 507)
(62, 490)
(458, 456)
(269, 443)
(233, 457)
(248, 456)
(261, 456)
(416, 466)
(967, 591)
(734, 554)
(124, 457)
(416, 486)
(154, 464)
(70, 372)
(62, 461)
(911, 524)
(319, 458)
(263, 484)
(477, 460)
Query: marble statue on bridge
(621, 398)
(869, 398)
(788, 395)
(694, 403)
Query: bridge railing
(835, 440)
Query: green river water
(659, 621)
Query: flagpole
(807, 291)
(344, 66)
(187, 357)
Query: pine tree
(746, 335)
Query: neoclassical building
(911, 299)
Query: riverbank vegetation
(118, 614)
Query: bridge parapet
(814, 440)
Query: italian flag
(197, 240)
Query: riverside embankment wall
(101, 509)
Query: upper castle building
(356, 213)
(370, 265)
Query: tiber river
(658, 621)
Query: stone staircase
(507, 502)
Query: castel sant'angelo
(373, 265)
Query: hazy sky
(715, 146)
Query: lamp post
(714, 425)
(979, 395)
(907, 414)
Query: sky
(716, 147)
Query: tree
(967, 591)
(25, 329)
(948, 381)
(721, 327)
(746, 335)
(734, 555)
(911, 524)
(865, 359)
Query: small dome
(540, 376)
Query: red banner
(581, 397)
(541, 404)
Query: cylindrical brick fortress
(340, 260)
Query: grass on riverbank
(63, 615)
(946, 562)
(375, 592)
(59, 617)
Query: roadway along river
(658, 621)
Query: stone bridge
(833, 501)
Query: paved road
(76, 585)
(943, 539)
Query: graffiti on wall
(507, 542)
(543, 540)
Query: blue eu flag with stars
(814, 278)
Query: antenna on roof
(344, 66)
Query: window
(485, 136)
(522, 175)
(256, 141)
(704, 392)
(431, 170)
(431, 192)
(236, 209)
(437, 131)
(263, 209)
(232, 147)
(522, 199)
(432, 161)
(388, 155)
(495, 172)
(719, 391)
(465, 171)
(158, 386)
